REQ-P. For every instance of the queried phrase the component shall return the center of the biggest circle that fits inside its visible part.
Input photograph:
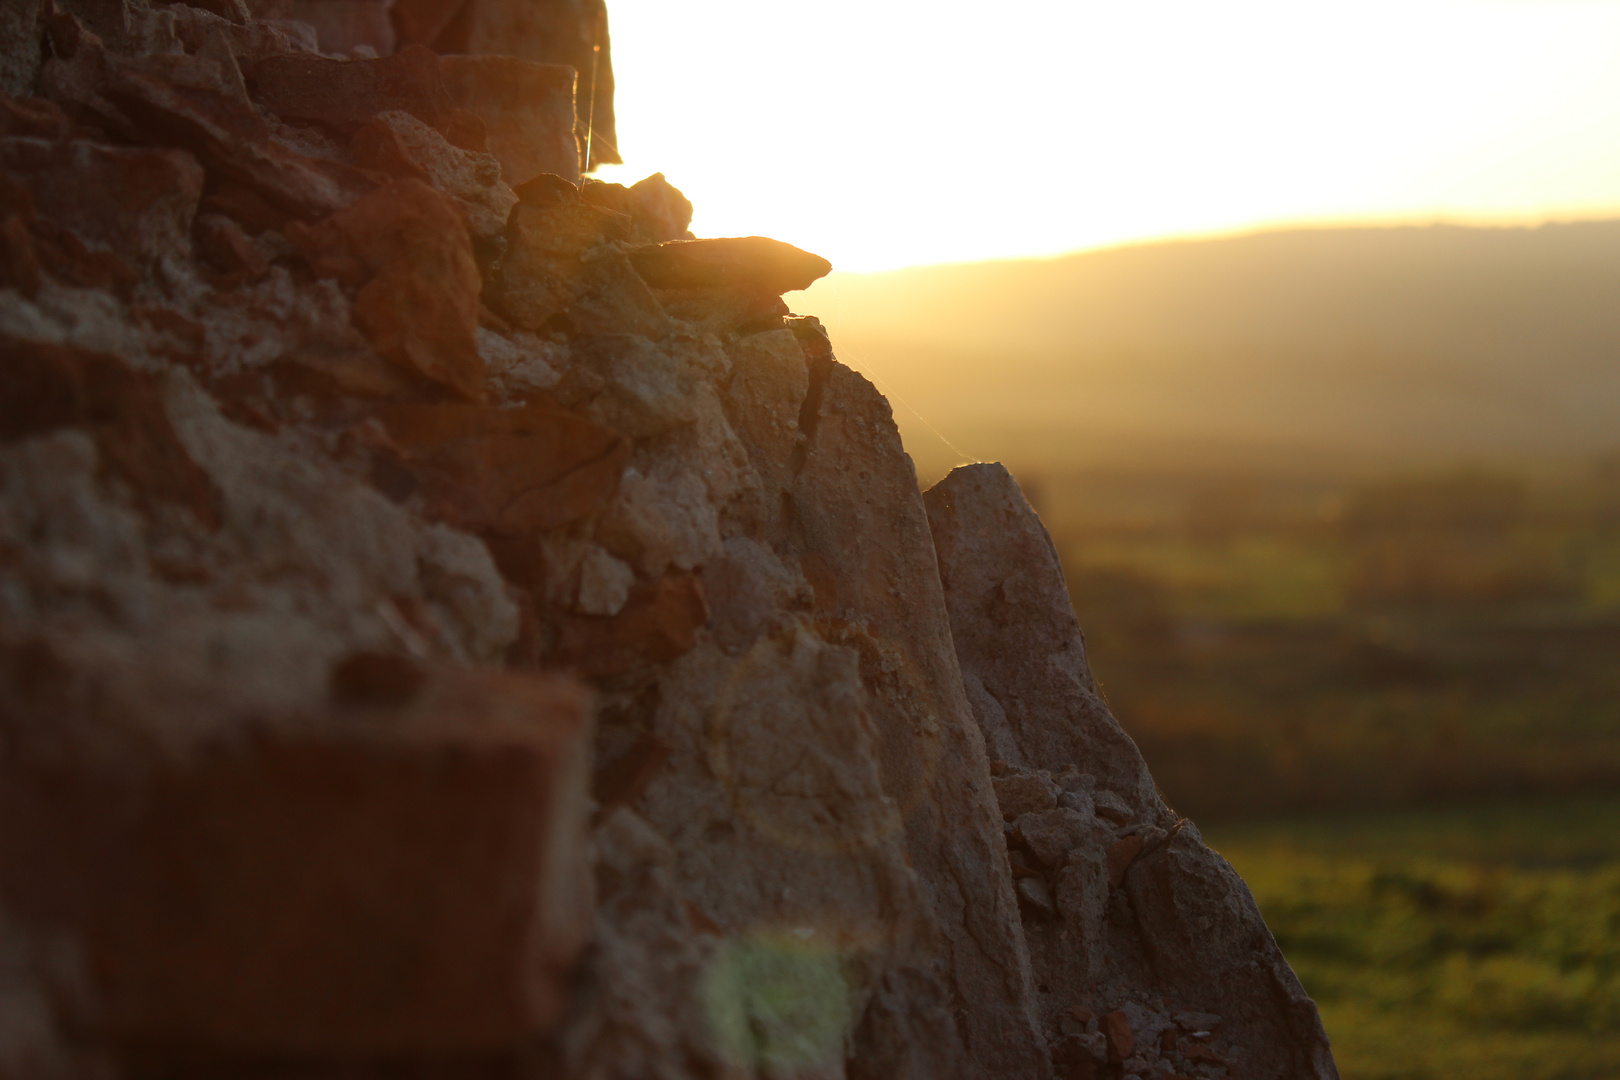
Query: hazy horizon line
(1303, 225)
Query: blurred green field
(1479, 942)
(1299, 643)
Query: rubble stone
(311, 426)
(402, 146)
(749, 261)
(235, 144)
(1019, 795)
(406, 249)
(561, 32)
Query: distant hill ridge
(1438, 343)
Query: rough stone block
(343, 94)
(751, 261)
(418, 303)
(527, 109)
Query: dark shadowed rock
(19, 45)
(745, 261)
(1144, 904)
(344, 94)
(343, 26)
(572, 33)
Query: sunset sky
(882, 133)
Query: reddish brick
(375, 882)
(1117, 1030)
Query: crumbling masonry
(453, 624)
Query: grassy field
(1479, 942)
(1286, 645)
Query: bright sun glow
(883, 133)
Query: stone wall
(453, 623)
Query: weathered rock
(561, 270)
(657, 207)
(402, 146)
(19, 45)
(234, 143)
(660, 210)
(854, 504)
(657, 623)
(1019, 795)
(221, 241)
(406, 248)
(508, 471)
(647, 390)
(138, 203)
(1023, 661)
(33, 117)
(280, 494)
(527, 109)
(753, 262)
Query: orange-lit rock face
(746, 261)
(406, 250)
